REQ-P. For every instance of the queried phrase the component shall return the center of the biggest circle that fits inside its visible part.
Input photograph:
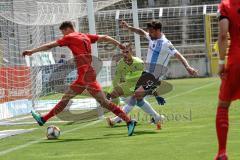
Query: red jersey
(230, 88)
(80, 45)
(230, 9)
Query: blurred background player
(229, 21)
(160, 51)
(128, 71)
(80, 45)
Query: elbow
(141, 32)
(178, 55)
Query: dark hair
(66, 24)
(154, 25)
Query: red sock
(57, 109)
(118, 112)
(222, 128)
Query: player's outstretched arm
(44, 47)
(183, 60)
(106, 38)
(139, 31)
(223, 44)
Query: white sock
(146, 107)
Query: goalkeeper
(128, 71)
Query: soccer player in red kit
(80, 45)
(229, 21)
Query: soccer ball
(53, 132)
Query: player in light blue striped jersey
(160, 50)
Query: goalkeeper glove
(160, 100)
(108, 95)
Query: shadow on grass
(145, 132)
(135, 133)
(106, 136)
(122, 125)
(75, 140)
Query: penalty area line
(190, 91)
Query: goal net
(28, 83)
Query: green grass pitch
(188, 132)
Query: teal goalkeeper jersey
(125, 72)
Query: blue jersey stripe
(166, 59)
(155, 55)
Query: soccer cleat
(160, 100)
(161, 118)
(221, 157)
(159, 126)
(152, 121)
(110, 122)
(131, 126)
(38, 118)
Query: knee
(140, 102)
(66, 98)
(224, 104)
(139, 95)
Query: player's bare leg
(139, 93)
(117, 92)
(104, 102)
(222, 123)
(57, 109)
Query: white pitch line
(15, 119)
(39, 140)
(190, 91)
(27, 123)
(12, 119)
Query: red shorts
(86, 80)
(230, 86)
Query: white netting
(31, 12)
(26, 24)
